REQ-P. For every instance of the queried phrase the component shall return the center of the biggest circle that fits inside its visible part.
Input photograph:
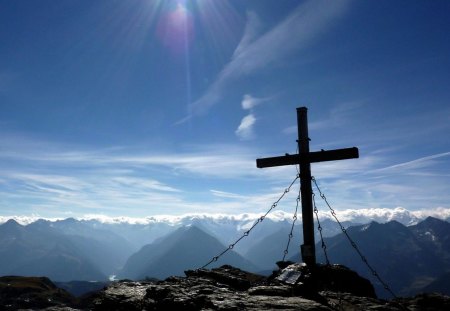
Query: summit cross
(304, 158)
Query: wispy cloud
(416, 164)
(144, 183)
(228, 195)
(54, 179)
(209, 161)
(245, 129)
(307, 22)
(251, 32)
(249, 102)
(82, 191)
(51, 179)
(338, 116)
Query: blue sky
(137, 108)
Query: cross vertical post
(308, 248)
(304, 158)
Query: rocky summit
(292, 287)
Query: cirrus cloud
(245, 129)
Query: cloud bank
(62, 181)
(360, 216)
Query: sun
(175, 27)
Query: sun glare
(175, 28)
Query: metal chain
(319, 228)
(363, 258)
(246, 233)
(286, 251)
(294, 218)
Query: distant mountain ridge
(33, 252)
(102, 246)
(414, 257)
(186, 248)
(407, 258)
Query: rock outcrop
(294, 287)
(226, 288)
(31, 293)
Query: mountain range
(32, 251)
(186, 248)
(409, 258)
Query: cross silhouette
(304, 158)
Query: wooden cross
(305, 158)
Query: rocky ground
(294, 287)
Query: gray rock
(336, 278)
(228, 288)
(123, 296)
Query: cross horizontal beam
(316, 156)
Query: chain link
(294, 218)
(286, 251)
(259, 220)
(363, 258)
(319, 228)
